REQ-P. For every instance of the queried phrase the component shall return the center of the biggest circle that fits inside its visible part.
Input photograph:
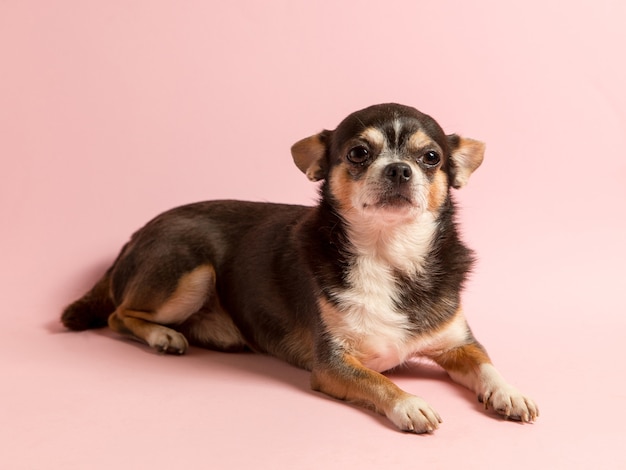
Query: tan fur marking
(463, 359)
(355, 383)
(342, 187)
(437, 191)
(191, 293)
(419, 140)
(374, 137)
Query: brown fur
(356, 383)
(464, 359)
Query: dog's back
(190, 268)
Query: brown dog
(355, 286)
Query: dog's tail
(92, 310)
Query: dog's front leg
(344, 377)
(470, 366)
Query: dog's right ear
(309, 155)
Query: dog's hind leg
(152, 318)
(159, 337)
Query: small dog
(357, 285)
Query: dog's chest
(366, 318)
(368, 321)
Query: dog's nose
(398, 172)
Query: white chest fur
(366, 320)
(380, 337)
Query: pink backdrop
(113, 111)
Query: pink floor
(111, 112)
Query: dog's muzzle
(397, 188)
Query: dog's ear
(310, 157)
(466, 155)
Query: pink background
(113, 111)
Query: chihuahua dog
(353, 287)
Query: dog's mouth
(383, 200)
(392, 201)
(395, 201)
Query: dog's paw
(166, 340)
(413, 414)
(510, 403)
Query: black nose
(398, 172)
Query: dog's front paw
(413, 414)
(510, 403)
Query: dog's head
(389, 161)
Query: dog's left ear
(466, 155)
(310, 155)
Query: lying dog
(366, 280)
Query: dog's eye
(358, 154)
(430, 158)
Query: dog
(355, 286)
